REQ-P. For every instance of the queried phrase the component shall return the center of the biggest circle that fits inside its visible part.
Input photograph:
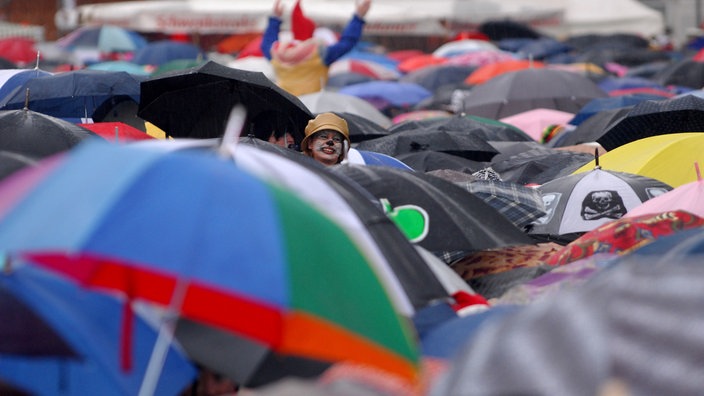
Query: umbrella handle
(233, 129)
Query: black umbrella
(686, 72)
(538, 165)
(479, 127)
(426, 161)
(38, 135)
(12, 162)
(462, 144)
(508, 29)
(362, 128)
(592, 128)
(655, 117)
(435, 76)
(197, 102)
(455, 221)
(515, 92)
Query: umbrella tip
(26, 99)
(596, 159)
(696, 169)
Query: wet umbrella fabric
(454, 219)
(196, 102)
(60, 338)
(106, 233)
(669, 158)
(578, 336)
(433, 77)
(626, 234)
(362, 128)
(37, 135)
(329, 101)
(591, 129)
(686, 72)
(12, 162)
(386, 94)
(75, 94)
(486, 129)
(688, 197)
(160, 52)
(650, 118)
(10, 79)
(578, 203)
(523, 90)
(427, 161)
(537, 165)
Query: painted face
(326, 147)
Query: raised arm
(350, 35)
(271, 34)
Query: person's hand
(278, 9)
(362, 7)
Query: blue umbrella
(74, 94)
(612, 102)
(59, 338)
(372, 158)
(160, 52)
(18, 78)
(384, 94)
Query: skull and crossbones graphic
(603, 203)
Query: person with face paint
(327, 139)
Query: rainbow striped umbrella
(226, 250)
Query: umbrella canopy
(329, 101)
(514, 92)
(626, 324)
(104, 38)
(196, 102)
(386, 94)
(612, 102)
(120, 65)
(581, 202)
(427, 161)
(626, 234)
(591, 129)
(458, 47)
(419, 62)
(537, 164)
(656, 117)
(364, 157)
(686, 73)
(669, 158)
(433, 77)
(19, 50)
(11, 162)
(116, 131)
(59, 338)
(38, 135)
(157, 53)
(362, 128)
(74, 94)
(688, 197)
(250, 275)
(10, 79)
(434, 213)
(486, 72)
(533, 122)
(367, 68)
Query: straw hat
(326, 122)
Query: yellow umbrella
(669, 158)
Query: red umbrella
(20, 50)
(419, 62)
(116, 130)
(626, 234)
(487, 72)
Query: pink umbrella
(480, 58)
(689, 197)
(533, 122)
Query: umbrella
(521, 205)
(344, 79)
(537, 164)
(656, 117)
(367, 68)
(248, 276)
(10, 79)
(434, 213)
(480, 58)
(183, 64)
(458, 47)
(688, 197)
(591, 129)
(626, 234)
(329, 101)
(668, 158)
(486, 72)
(157, 53)
(116, 131)
(460, 143)
(362, 128)
(427, 161)
(37, 135)
(59, 338)
(626, 323)
(514, 92)
(120, 65)
(12, 162)
(609, 103)
(685, 72)
(418, 115)
(75, 94)
(433, 77)
(385, 94)
(364, 157)
(420, 62)
(498, 30)
(103, 38)
(533, 122)
(481, 128)
(581, 202)
(197, 102)
(19, 50)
